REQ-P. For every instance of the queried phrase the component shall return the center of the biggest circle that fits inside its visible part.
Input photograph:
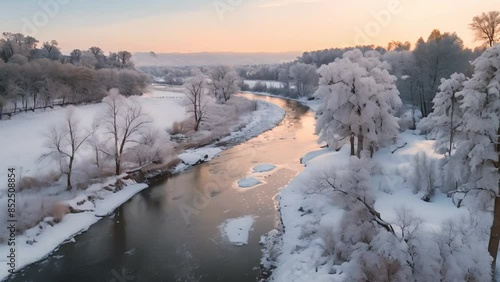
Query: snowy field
(310, 216)
(22, 137)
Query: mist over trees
(34, 77)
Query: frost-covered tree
(359, 102)
(224, 82)
(440, 56)
(64, 141)
(195, 92)
(305, 78)
(477, 154)
(444, 122)
(123, 123)
(486, 27)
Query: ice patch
(314, 154)
(263, 168)
(248, 182)
(236, 229)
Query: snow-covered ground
(95, 202)
(300, 252)
(236, 229)
(268, 83)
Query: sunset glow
(250, 26)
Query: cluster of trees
(418, 69)
(32, 77)
(120, 133)
(466, 125)
(359, 103)
(170, 75)
(368, 248)
(221, 83)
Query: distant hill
(209, 58)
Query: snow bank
(312, 155)
(268, 83)
(266, 117)
(41, 240)
(236, 229)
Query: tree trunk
(495, 234)
(451, 123)
(117, 166)
(351, 140)
(495, 227)
(360, 145)
(70, 170)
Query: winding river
(170, 232)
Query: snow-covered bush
(462, 252)
(424, 175)
(153, 146)
(409, 117)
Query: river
(170, 231)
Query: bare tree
(124, 57)
(64, 141)
(52, 49)
(97, 51)
(486, 27)
(196, 94)
(75, 56)
(125, 122)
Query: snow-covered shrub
(409, 117)
(463, 252)
(152, 146)
(424, 175)
(180, 127)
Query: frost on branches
(444, 123)
(360, 99)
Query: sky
(237, 25)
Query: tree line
(33, 77)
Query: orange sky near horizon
(266, 25)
